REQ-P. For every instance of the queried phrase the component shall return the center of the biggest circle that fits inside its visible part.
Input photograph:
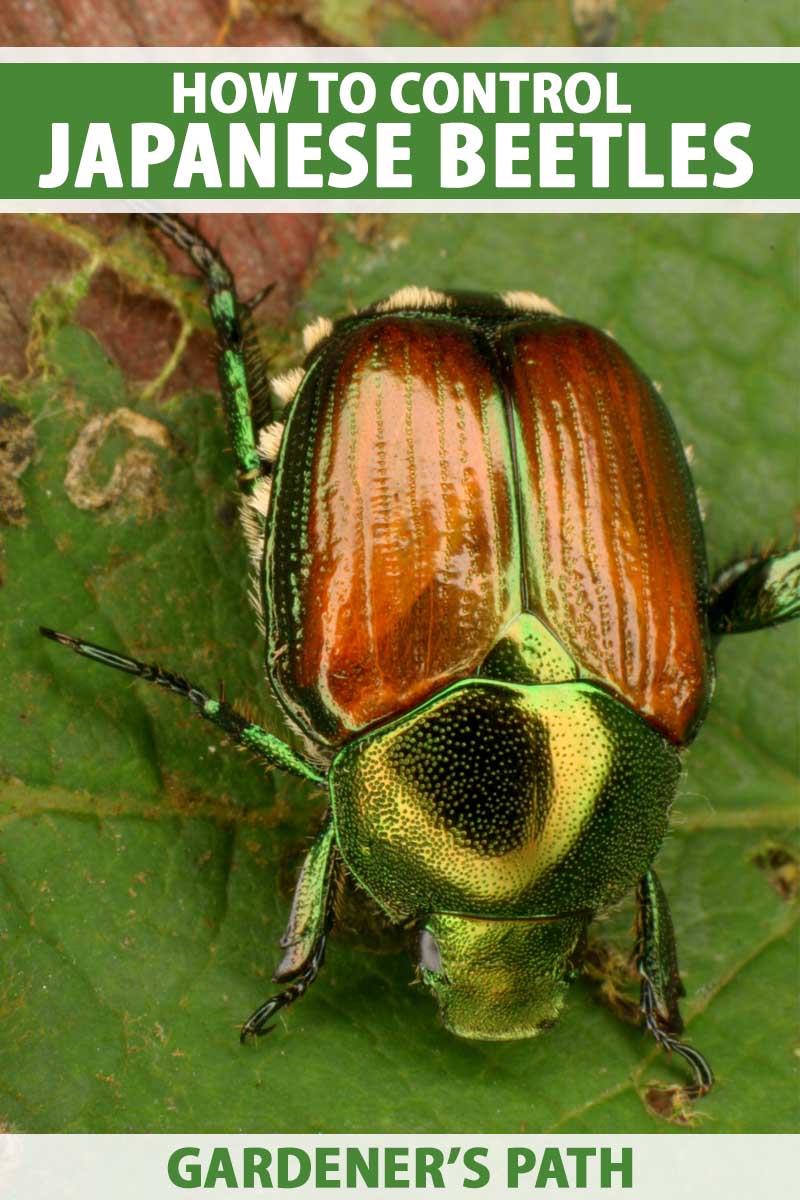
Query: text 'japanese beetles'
(479, 566)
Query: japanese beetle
(479, 566)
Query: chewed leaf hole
(782, 869)
(670, 1103)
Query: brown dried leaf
(782, 869)
(260, 249)
(153, 23)
(31, 259)
(449, 18)
(17, 447)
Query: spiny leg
(756, 593)
(307, 932)
(241, 367)
(253, 433)
(661, 986)
(240, 731)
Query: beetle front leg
(756, 593)
(306, 934)
(241, 368)
(661, 988)
(241, 731)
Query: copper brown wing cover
(392, 552)
(436, 478)
(614, 557)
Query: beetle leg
(257, 1023)
(312, 906)
(241, 368)
(756, 593)
(240, 731)
(307, 932)
(661, 988)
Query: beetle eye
(430, 958)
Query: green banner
(445, 132)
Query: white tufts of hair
(414, 297)
(258, 500)
(252, 523)
(285, 386)
(269, 443)
(702, 504)
(529, 302)
(253, 517)
(316, 332)
(254, 596)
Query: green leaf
(147, 869)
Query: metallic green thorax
(504, 816)
(505, 801)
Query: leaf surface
(146, 870)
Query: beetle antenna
(257, 1023)
(241, 731)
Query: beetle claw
(703, 1075)
(251, 1029)
(256, 1023)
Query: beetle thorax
(504, 801)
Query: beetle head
(499, 980)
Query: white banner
(670, 1166)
